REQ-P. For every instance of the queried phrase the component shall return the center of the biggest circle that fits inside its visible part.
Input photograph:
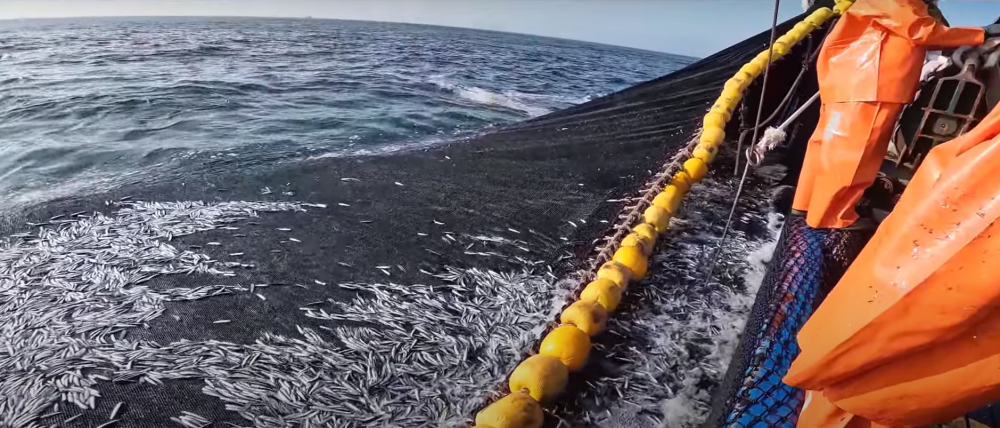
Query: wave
(353, 150)
(270, 90)
(533, 105)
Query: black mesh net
(388, 290)
(839, 249)
(806, 262)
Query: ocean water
(329, 273)
(87, 105)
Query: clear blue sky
(687, 27)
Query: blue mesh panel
(805, 265)
(763, 400)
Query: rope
(774, 136)
(767, 70)
(699, 153)
(806, 64)
(756, 129)
(634, 213)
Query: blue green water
(87, 105)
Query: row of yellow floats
(543, 376)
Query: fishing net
(763, 398)
(840, 248)
(805, 266)
(383, 290)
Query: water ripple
(99, 99)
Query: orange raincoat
(911, 334)
(869, 67)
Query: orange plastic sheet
(842, 160)
(911, 334)
(877, 48)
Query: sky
(686, 27)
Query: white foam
(681, 333)
(394, 148)
(689, 407)
(679, 412)
(34, 191)
(530, 104)
(507, 100)
(759, 258)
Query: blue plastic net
(763, 400)
(805, 265)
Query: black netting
(225, 317)
(806, 263)
(840, 248)
(522, 205)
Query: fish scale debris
(424, 355)
(669, 351)
(70, 289)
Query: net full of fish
(428, 354)
(424, 354)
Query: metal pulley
(948, 106)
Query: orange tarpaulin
(911, 334)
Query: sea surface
(177, 300)
(87, 105)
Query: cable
(756, 129)
(813, 54)
(767, 69)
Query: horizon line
(311, 18)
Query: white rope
(773, 137)
(756, 128)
